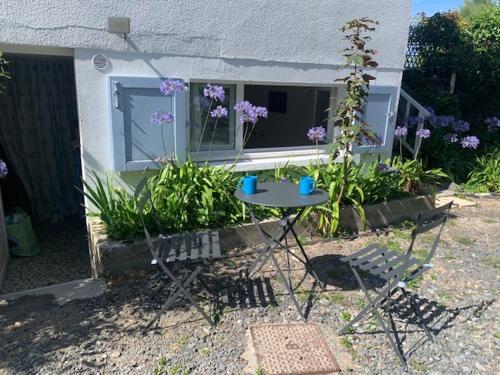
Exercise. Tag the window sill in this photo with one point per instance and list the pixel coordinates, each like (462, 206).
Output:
(256, 164)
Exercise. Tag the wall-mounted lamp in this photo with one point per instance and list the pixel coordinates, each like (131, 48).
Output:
(119, 25)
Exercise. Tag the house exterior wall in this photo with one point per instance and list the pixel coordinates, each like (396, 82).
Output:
(260, 41)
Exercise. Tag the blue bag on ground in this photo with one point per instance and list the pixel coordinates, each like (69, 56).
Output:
(20, 233)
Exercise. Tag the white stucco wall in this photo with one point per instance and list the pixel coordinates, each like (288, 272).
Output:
(285, 41)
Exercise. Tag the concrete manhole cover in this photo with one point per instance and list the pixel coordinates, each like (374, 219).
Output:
(297, 349)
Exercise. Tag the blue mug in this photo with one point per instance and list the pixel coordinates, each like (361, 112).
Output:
(248, 185)
(307, 185)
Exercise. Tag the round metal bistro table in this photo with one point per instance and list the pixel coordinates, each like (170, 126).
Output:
(286, 198)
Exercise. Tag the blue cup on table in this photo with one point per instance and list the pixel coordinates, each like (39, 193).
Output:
(248, 185)
(307, 185)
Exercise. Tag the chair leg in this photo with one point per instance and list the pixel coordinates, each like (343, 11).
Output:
(373, 306)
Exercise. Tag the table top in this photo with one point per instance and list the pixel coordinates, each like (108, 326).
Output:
(273, 194)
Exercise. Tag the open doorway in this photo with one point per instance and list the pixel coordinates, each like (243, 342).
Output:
(39, 141)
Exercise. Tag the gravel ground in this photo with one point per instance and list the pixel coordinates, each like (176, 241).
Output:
(103, 335)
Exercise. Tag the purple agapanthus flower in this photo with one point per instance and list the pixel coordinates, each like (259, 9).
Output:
(170, 86)
(3, 169)
(261, 111)
(461, 126)
(161, 118)
(219, 112)
(316, 134)
(423, 133)
(415, 120)
(451, 138)
(471, 141)
(400, 131)
(493, 123)
(249, 112)
(443, 121)
(214, 92)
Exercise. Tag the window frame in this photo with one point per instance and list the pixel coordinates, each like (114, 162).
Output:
(229, 155)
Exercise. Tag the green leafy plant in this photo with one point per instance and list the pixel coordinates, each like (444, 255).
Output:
(115, 207)
(349, 112)
(193, 196)
(485, 177)
(190, 197)
(413, 176)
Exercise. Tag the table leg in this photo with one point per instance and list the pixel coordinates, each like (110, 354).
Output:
(307, 262)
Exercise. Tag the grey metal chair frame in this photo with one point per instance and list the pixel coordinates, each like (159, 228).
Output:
(182, 251)
(393, 268)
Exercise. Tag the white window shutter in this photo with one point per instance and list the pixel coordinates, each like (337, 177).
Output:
(136, 141)
(380, 115)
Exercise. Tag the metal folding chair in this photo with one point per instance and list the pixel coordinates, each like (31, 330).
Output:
(187, 253)
(397, 270)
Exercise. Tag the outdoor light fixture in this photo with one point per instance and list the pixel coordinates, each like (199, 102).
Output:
(119, 25)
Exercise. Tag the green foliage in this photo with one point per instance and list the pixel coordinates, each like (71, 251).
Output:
(160, 366)
(345, 316)
(116, 208)
(192, 197)
(349, 112)
(485, 177)
(348, 116)
(472, 9)
(413, 176)
(445, 44)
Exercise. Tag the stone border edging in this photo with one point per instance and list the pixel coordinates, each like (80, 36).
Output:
(111, 258)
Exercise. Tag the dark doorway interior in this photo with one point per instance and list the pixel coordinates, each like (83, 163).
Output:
(40, 143)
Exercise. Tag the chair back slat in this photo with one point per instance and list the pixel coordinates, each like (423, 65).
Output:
(205, 245)
(428, 220)
(422, 228)
(194, 250)
(172, 255)
(215, 244)
(434, 212)
(183, 252)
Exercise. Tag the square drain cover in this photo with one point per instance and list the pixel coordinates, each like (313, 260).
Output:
(298, 349)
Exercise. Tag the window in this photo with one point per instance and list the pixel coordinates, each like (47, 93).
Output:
(217, 135)
(292, 111)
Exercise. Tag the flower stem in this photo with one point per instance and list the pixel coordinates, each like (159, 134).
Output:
(212, 139)
(205, 125)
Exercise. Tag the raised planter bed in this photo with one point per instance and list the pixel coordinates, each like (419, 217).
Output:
(110, 258)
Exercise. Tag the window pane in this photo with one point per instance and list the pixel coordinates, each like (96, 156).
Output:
(292, 111)
(219, 133)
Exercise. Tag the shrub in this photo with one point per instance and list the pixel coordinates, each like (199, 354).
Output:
(485, 177)
(115, 207)
(192, 196)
